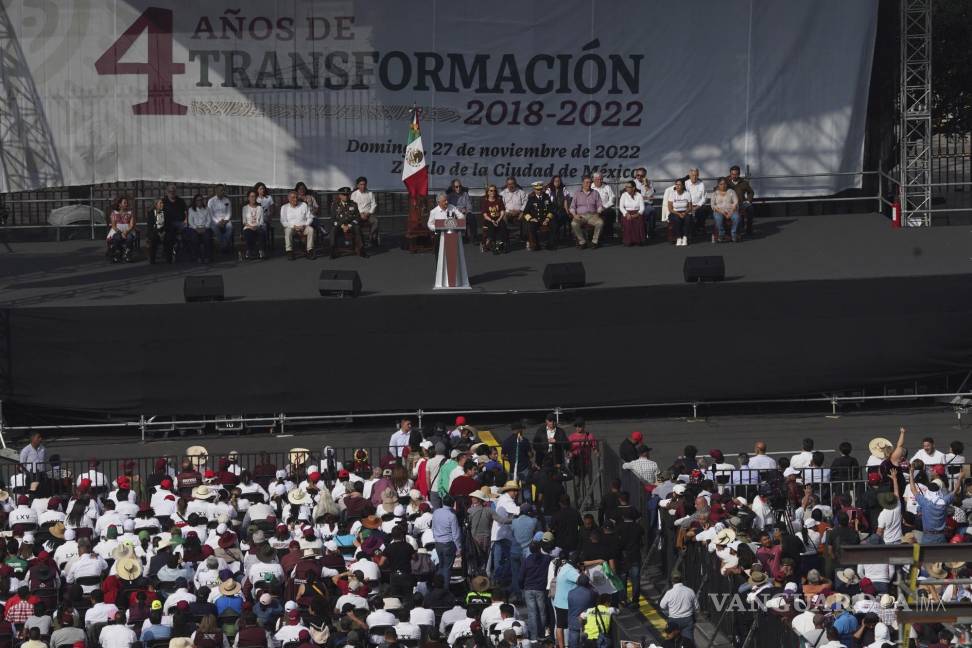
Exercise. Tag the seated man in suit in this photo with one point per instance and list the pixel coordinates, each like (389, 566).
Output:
(347, 223)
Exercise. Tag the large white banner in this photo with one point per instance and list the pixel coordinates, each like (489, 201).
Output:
(238, 91)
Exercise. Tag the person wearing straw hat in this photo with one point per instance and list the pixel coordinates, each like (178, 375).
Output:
(128, 568)
(848, 582)
(881, 450)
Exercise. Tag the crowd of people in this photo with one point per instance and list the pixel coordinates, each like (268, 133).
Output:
(776, 527)
(436, 540)
(544, 216)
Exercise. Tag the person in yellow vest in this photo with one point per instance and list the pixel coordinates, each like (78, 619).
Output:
(597, 623)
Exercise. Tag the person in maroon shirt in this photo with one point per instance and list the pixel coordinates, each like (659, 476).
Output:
(466, 482)
(251, 634)
(355, 504)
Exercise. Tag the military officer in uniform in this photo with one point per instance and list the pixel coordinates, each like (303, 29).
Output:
(347, 223)
(538, 212)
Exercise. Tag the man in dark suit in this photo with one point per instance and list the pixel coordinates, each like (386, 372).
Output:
(550, 438)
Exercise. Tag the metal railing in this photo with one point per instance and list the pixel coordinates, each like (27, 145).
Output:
(65, 474)
(147, 425)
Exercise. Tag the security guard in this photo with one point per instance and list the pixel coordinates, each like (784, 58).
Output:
(347, 223)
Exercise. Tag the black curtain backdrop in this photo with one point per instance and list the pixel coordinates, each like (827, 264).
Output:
(477, 351)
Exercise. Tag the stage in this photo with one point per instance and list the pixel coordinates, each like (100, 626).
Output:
(810, 304)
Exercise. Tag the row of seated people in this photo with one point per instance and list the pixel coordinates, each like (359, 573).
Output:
(206, 226)
(553, 212)
(550, 211)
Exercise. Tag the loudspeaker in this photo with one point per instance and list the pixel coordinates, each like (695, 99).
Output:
(339, 283)
(704, 268)
(199, 288)
(564, 275)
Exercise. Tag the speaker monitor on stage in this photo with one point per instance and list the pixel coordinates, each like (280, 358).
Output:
(339, 283)
(704, 268)
(201, 288)
(564, 275)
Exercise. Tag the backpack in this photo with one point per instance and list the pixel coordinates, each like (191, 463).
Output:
(421, 564)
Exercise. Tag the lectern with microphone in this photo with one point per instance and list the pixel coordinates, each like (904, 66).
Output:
(450, 268)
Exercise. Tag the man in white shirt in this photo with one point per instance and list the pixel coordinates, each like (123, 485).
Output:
(399, 440)
(461, 628)
(679, 605)
(23, 515)
(220, 211)
(514, 199)
(117, 634)
(99, 612)
(815, 473)
(382, 617)
(419, 615)
(266, 568)
(95, 476)
(181, 594)
(647, 191)
(802, 459)
(889, 519)
(696, 189)
(291, 631)
(609, 214)
(86, 564)
(442, 209)
(928, 454)
(67, 551)
(880, 575)
(368, 568)
(367, 208)
(760, 461)
(807, 625)
(297, 219)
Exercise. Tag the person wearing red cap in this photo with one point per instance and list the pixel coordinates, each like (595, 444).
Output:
(291, 631)
(96, 478)
(53, 512)
(719, 467)
(160, 471)
(456, 431)
(628, 450)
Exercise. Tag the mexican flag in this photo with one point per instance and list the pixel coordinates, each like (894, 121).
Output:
(415, 174)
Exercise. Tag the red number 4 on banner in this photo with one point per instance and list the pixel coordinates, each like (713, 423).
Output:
(159, 67)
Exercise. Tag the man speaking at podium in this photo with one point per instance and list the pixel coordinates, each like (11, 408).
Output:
(449, 224)
(442, 210)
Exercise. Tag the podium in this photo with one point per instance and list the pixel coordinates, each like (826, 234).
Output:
(450, 267)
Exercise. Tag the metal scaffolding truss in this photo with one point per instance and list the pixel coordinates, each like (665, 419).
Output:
(916, 129)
